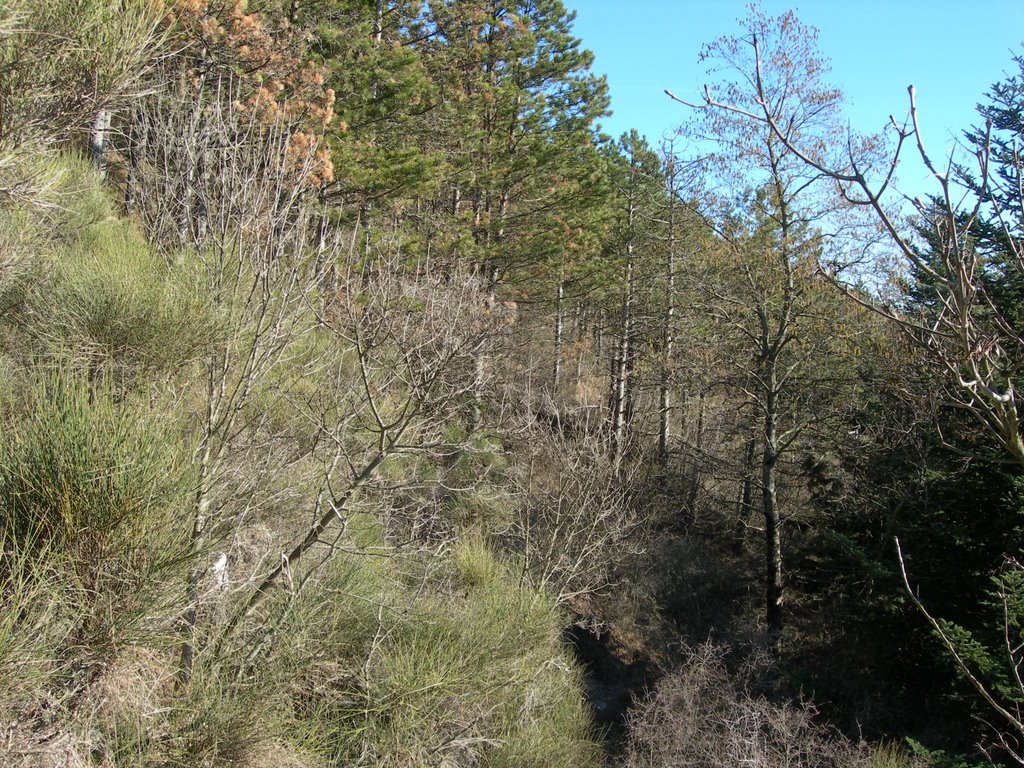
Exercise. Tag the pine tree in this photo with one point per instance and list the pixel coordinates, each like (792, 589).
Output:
(518, 103)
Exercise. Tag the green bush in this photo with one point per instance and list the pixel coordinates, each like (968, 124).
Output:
(90, 488)
(83, 284)
(49, 50)
(83, 466)
(469, 675)
(116, 307)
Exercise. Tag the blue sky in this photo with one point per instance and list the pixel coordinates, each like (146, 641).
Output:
(877, 48)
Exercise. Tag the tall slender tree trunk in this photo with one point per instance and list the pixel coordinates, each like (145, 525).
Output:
(668, 332)
(698, 451)
(136, 126)
(774, 587)
(746, 500)
(620, 393)
(195, 575)
(579, 328)
(775, 334)
(559, 335)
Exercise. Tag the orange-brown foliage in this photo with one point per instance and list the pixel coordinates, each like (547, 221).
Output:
(280, 83)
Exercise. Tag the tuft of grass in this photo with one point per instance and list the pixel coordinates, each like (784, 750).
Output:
(92, 544)
(36, 625)
(890, 754)
(475, 565)
(474, 675)
(212, 721)
(83, 284)
(116, 306)
(84, 466)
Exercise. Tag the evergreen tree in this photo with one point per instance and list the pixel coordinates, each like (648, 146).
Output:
(636, 175)
(517, 106)
(384, 99)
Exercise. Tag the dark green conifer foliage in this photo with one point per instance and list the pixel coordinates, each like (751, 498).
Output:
(518, 103)
(383, 94)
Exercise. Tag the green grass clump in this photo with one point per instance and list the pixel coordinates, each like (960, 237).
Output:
(889, 754)
(37, 623)
(90, 487)
(80, 283)
(472, 675)
(84, 468)
(116, 306)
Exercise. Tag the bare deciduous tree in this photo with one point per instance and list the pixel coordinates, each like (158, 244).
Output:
(969, 334)
(770, 297)
(403, 388)
(225, 194)
(576, 521)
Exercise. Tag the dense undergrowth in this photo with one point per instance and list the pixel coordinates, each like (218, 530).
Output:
(382, 655)
(362, 404)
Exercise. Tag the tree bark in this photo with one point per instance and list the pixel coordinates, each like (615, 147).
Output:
(668, 331)
(774, 586)
(98, 140)
(559, 334)
(619, 400)
(620, 370)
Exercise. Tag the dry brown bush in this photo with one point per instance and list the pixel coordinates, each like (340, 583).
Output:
(702, 717)
(577, 520)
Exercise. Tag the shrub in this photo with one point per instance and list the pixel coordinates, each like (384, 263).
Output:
(88, 489)
(83, 467)
(114, 306)
(473, 675)
(700, 716)
(90, 486)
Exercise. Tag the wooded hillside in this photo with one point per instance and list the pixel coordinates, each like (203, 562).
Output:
(362, 404)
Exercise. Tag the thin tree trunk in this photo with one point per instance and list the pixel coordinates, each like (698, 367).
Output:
(668, 332)
(98, 140)
(774, 587)
(774, 340)
(202, 511)
(620, 371)
(559, 331)
(136, 126)
(621, 363)
(200, 519)
(579, 328)
(698, 445)
(192, 224)
(745, 500)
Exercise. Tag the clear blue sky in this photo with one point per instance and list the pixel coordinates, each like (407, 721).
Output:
(951, 50)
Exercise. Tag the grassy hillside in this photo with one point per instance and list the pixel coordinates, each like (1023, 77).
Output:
(379, 654)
